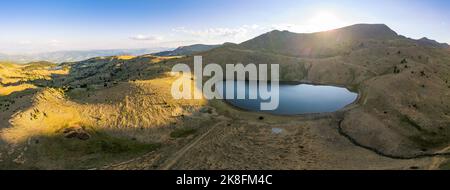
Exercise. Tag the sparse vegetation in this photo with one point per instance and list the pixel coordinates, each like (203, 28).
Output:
(404, 61)
(396, 70)
(182, 132)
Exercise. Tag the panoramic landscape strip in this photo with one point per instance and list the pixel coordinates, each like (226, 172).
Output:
(259, 86)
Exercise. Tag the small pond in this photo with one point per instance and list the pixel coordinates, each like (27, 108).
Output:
(294, 99)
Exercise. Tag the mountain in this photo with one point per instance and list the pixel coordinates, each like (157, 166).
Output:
(73, 56)
(432, 43)
(187, 50)
(318, 44)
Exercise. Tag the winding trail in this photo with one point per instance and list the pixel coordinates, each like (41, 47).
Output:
(168, 164)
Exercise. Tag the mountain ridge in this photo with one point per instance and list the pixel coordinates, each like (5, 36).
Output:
(432, 43)
(187, 50)
(319, 43)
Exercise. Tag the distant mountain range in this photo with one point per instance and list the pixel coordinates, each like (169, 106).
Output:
(187, 50)
(73, 56)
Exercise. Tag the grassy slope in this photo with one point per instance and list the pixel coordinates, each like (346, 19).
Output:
(124, 119)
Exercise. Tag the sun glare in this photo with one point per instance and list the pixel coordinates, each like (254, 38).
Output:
(325, 20)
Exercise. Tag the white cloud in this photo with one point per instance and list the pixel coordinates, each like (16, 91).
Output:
(141, 37)
(285, 26)
(25, 42)
(217, 32)
(220, 34)
(55, 42)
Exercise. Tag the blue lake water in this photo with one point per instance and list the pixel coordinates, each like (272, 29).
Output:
(294, 99)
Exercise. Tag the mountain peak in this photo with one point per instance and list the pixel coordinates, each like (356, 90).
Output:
(365, 25)
(366, 31)
(432, 43)
(319, 43)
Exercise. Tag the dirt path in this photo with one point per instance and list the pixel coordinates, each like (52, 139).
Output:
(437, 161)
(174, 159)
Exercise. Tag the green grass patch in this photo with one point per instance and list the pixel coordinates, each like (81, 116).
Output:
(182, 132)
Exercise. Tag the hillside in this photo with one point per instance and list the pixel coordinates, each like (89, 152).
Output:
(88, 114)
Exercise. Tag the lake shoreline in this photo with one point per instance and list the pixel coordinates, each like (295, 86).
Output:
(316, 111)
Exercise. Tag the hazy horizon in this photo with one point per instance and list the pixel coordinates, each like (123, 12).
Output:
(50, 25)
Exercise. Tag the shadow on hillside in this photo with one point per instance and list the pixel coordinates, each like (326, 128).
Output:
(59, 150)
(105, 145)
(13, 103)
(87, 147)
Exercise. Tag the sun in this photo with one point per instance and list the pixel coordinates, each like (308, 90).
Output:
(325, 20)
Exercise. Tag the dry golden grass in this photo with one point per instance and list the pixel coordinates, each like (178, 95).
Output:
(16, 78)
(7, 90)
(140, 104)
(125, 57)
(13, 73)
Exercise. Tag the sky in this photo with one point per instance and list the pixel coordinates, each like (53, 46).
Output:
(30, 26)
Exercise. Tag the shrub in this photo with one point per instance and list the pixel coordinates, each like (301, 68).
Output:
(404, 61)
